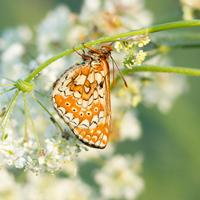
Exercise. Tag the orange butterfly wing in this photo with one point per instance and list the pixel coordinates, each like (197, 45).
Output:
(82, 98)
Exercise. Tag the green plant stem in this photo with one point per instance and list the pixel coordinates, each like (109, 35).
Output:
(151, 29)
(8, 90)
(7, 78)
(34, 129)
(168, 69)
(6, 85)
(25, 115)
(47, 112)
(8, 112)
(42, 94)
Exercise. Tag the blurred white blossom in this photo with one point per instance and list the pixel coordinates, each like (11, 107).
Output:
(118, 179)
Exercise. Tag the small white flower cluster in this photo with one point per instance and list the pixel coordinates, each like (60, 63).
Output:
(118, 179)
(144, 42)
(131, 59)
(118, 46)
(42, 187)
(53, 154)
(140, 57)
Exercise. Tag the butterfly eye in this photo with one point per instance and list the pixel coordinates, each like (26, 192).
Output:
(81, 114)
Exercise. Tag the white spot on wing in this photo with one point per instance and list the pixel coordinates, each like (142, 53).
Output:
(77, 95)
(79, 102)
(98, 143)
(98, 77)
(105, 138)
(53, 99)
(63, 85)
(67, 92)
(93, 125)
(80, 80)
(85, 140)
(61, 110)
(91, 142)
(76, 132)
(101, 113)
(87, 89)
(75, 121)
(91, 78)
(85, 103)
(95, 119)
(69, 116)
(85, 123)
(102, 145)
(80, 136)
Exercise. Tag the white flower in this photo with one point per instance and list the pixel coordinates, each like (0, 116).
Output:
(19, 151)
(14, 51)
(145, 41)
(41, 160)
(118, 46)
(140, 57)
(118, 179)
(20, 162)
(130, 127)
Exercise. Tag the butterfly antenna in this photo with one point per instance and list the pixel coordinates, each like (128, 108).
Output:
(125, 83)
(114, 83)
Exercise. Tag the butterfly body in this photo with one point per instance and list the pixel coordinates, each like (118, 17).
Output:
(81, 96)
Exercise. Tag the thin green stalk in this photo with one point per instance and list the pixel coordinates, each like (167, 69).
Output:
(41, 94)
(8, 112)
(169, 69)
(8, 90)
(6, 85)
(25, 115)
(151, 29)
(7, 78)
(34, 129)
(47, 112)
(5, 114)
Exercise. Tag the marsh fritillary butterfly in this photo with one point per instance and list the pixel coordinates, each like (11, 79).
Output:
(81, 96)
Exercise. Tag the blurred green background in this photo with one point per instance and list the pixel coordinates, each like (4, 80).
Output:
(170, 142)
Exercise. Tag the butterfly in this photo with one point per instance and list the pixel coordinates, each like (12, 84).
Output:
(81, 96)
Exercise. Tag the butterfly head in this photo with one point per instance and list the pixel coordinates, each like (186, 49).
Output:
(106, 49)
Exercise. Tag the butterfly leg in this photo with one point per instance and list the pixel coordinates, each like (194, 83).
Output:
(85, 57)
(92, 49)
